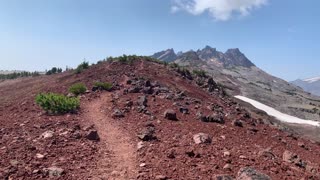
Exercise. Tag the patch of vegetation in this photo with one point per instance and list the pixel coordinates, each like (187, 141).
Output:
(54, 70)
(254, 84)
(78, 88)
(16, 75)
(185, 72)
(291, 93)
(200, 73)
(57, 103)
(81, 67)
(174, 65)
(103, 86)
(123, 59)
(264, 83)
(129, 59)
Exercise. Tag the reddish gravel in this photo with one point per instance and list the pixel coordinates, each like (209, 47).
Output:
(172, 154)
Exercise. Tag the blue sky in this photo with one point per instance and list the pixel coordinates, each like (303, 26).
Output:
(280, 36)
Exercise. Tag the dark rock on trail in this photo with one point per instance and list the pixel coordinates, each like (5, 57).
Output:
(117, 113)
(170, 114)
(93, 135)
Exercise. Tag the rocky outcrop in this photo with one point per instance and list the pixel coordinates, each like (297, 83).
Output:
(249, 173)
(168, 55)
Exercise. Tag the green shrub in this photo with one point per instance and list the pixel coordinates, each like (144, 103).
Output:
(103, 86)
(174, 65)
(84, 65)
(78, 88)
(57, 103)
(200, 73)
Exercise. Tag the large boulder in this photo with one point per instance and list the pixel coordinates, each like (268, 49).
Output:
(202, 138)
(170, 114)
(249, 173)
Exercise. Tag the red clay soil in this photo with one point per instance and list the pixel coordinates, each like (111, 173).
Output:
(25, 154)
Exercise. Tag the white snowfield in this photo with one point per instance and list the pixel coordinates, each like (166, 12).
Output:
(277, 114)
(311, 80)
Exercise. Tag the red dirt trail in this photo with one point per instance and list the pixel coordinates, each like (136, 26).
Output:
(119, 158)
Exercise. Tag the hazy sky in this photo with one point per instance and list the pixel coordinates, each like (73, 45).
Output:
(280, 36)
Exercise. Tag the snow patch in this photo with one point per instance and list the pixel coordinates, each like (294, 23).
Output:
(311, 80)
(277, 114)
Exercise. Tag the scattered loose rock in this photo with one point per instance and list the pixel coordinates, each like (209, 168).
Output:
(184, 110)
(161, 177)
(93, 135)
(202, 138)
(237, 123)
(47, 134)
(54, 171)
(227, 166)
(117, 113)
(140, 145)
(226, 153)
(170, 114)
(39, 156)
(147, 134)
(249, 173)
(223, 177)
(142, 101)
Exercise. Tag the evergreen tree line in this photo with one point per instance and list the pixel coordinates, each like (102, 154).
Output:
(54, 70)
(19, 74)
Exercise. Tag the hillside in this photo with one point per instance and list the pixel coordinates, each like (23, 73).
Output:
(240, 76)
(311, 85)
(157, 122)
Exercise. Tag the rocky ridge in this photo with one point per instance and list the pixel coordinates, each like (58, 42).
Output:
(182, 127)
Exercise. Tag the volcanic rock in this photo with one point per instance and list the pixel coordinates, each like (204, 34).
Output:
(202, 138)
(170, 114)
(249, 173)
(93, 135)
(117, 113)
(54, 171)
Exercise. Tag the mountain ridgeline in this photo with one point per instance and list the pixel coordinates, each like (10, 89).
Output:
(311, 85)
(239, 75)
(232, 57)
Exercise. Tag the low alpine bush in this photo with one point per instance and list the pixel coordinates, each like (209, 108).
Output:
(84, 65)
(103, 86)
(57, 103)
(78, 88)
(200, 73)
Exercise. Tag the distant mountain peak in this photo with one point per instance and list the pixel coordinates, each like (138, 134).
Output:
(232, 57)
(167, 55)
(233, 50)
(235, 57)
(311, 85)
